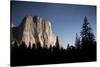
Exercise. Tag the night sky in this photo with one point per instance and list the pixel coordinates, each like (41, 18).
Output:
(66, 19)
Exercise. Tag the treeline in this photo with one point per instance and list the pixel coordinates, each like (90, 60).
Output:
(83, 51)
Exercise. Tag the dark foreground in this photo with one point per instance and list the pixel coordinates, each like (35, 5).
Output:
(22, 56)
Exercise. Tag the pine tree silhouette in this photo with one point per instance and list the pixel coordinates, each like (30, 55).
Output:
(57, 43)
(88, 43)
(87, 37)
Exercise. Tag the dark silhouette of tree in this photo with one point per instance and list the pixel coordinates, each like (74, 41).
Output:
(23, 45)
(29, 45)
(39, 46)
(34, 46)
(87, 36)
(68, 46)
(77, 41)
(51, 48)
(57, 43)
(88, 43)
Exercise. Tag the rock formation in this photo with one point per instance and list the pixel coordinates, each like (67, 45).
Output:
(34, 30)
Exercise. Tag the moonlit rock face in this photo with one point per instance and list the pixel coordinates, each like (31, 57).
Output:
(34, 30)
(27, 34)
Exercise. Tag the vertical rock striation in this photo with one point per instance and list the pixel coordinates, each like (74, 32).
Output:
(34, 30)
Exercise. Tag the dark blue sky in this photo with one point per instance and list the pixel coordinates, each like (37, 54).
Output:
(66, 19)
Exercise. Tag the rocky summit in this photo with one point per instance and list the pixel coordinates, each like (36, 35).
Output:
(34, 30)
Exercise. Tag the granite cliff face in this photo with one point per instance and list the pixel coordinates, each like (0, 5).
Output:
(34, 30)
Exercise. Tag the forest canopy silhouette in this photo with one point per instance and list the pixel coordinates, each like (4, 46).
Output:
(83, 51)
